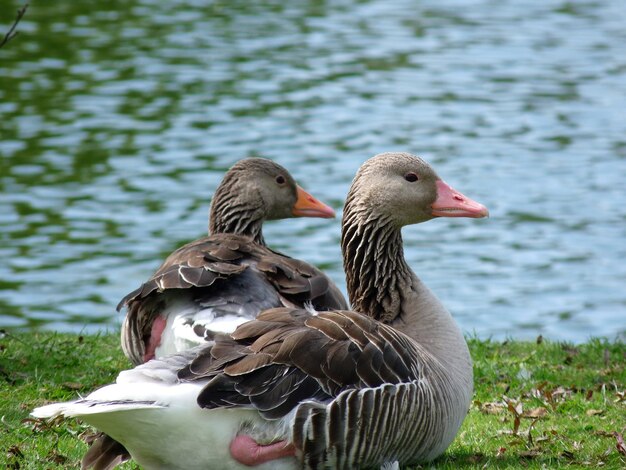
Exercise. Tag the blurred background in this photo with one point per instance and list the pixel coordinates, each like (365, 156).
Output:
(119, 118)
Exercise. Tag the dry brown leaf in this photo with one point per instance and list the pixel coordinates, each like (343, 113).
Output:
(492, 408)
(539, 412)
(514, 407)
(15, 451)
(530, 454)
(620, 446)
(516, 424)
(54, 457)
(594, 412)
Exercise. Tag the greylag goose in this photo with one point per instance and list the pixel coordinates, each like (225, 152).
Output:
(217, 282)
(297, 388)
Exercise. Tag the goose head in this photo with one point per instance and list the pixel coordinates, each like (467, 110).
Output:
(402, 189)
(255, 190)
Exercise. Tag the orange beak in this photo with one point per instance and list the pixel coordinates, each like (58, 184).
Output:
(307, 206)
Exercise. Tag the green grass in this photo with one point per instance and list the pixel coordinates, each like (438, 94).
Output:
(547, 405)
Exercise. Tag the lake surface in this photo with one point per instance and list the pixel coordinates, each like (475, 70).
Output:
(118, 119)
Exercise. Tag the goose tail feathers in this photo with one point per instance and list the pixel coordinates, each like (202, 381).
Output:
(78, 408)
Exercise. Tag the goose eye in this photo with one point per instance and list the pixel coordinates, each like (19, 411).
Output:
(280, 179)
(411, 177)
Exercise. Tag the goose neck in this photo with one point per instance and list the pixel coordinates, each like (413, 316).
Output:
(376, 272)
(229, 216)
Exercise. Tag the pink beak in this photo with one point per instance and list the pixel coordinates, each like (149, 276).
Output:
(451, 203)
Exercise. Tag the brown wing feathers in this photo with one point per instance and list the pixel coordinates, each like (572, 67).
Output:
(288, 355)
(200, 263)
(215, 258)
(197, 264)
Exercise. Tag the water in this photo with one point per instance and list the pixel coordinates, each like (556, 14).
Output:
(118, 119)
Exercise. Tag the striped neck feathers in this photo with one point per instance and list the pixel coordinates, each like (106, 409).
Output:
(229, 214)
(378, 278)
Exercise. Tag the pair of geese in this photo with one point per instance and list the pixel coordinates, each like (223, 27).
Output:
(300, 381)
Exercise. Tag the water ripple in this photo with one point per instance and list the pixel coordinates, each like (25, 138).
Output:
(117, 122)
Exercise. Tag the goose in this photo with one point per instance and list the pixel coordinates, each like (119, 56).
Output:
(217, 282)
(387, 384)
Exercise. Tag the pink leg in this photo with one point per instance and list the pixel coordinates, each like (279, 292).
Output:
(155, 337)
(247, 451)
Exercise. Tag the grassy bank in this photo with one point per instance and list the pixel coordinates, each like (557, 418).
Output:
(536, 405)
